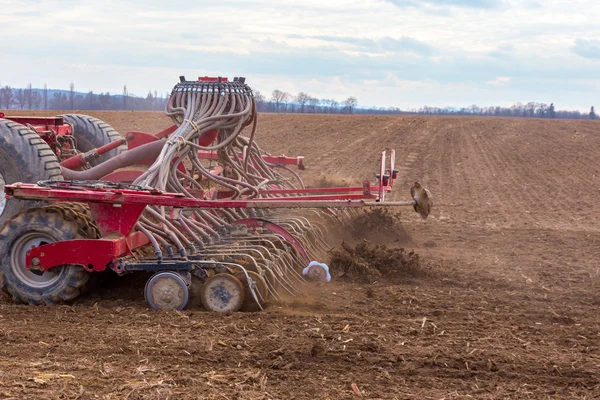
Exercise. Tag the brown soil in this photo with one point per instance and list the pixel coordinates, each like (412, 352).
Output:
(509, 307)
(364, 263)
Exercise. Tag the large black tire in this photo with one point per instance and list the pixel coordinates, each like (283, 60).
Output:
(35, 227)
(91, 133)
(24, 157)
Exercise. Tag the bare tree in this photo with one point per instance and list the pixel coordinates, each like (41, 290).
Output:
(260, 100)
(36, 99)
(313, 102)
(125, 95)
(150, 100)
(302, 99)
(279, 98)
(72, 96)
(28, 92)
(45, 96)
(351, 103)
(286, 99)
(333, 106)
(20, 97)
(59, 101)
(552, 111)
(6, 96)
(105, 101)
(90, 99)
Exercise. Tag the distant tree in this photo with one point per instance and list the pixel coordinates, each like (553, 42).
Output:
(6, 97)
(79, 102)
(279, 98)
(542, 110)
(313, 102)
(302, 99)
(45, 96)
(150, 100)
(551, 111)
(592, 113)
(28, 95)
(90, 98)
(72, 96)
(36, 99)
(20, 97)
(125, 95)
(350, 104)
(260, 100)
(333, 106)
(59, 101)
(105, 101)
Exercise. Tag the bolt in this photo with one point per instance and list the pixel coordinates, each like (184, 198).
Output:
(35, 262)
(130, 136)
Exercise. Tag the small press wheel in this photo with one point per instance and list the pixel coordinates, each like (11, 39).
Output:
(260, 288)
(222, 293)
(166, 291)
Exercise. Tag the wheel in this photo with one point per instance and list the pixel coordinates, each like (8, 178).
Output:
(222, 293)
(32, 228)
(24, 157)
(260, 287)
(166, 291)
(91, 133)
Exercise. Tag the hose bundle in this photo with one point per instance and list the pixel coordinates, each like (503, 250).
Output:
(210, 117)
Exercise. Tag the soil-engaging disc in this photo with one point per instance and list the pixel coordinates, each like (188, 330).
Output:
(167, 291)
(222, 293)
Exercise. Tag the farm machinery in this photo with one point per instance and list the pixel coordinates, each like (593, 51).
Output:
(196, 202)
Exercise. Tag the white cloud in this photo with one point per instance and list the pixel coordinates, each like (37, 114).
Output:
(403, 53)
(500, 80)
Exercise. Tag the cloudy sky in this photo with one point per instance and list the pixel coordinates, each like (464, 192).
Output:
(402, 53)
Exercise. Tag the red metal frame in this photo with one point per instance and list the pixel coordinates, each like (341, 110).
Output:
(47, 127)
(116, 211)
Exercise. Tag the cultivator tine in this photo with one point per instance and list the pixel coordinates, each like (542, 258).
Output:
(309, 234)
(277, 267)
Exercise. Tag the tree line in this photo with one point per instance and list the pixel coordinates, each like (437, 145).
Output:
(528, 110)
(303, 103)
(55, 99)
(279, 101)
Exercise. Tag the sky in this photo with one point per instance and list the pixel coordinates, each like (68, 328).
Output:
(386, 53)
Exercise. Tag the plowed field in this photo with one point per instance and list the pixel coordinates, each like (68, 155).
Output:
(508, 305)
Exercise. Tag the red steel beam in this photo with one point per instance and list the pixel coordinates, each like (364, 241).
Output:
(53, 121)
(125, 196)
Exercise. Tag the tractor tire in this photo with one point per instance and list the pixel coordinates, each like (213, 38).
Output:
(24, 157)
(91, 133)
(33, 228)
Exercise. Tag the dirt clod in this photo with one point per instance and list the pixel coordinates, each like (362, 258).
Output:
(366, 263)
